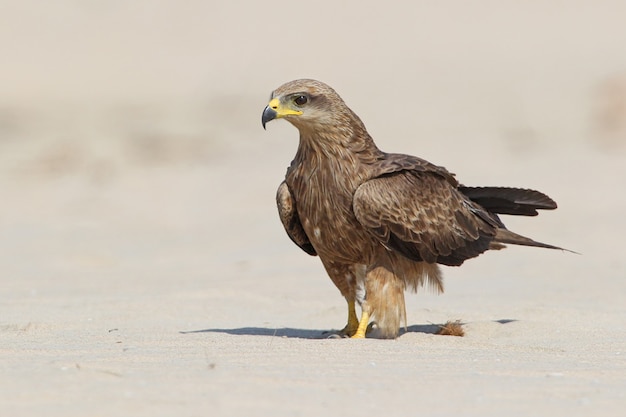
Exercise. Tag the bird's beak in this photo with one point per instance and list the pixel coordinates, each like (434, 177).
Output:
(275, 110)
(269, 114)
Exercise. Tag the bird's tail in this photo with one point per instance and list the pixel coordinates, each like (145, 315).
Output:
(505, 236)
(515, 201)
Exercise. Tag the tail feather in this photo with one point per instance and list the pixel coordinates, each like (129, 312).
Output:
(516, 201)
(505, 236)
(506, 200)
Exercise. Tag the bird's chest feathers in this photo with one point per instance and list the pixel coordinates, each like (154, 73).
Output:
(323, 190)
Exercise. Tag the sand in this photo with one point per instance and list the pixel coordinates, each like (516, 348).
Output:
(144, 270)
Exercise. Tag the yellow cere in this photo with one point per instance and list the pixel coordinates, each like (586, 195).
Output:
(281, 110)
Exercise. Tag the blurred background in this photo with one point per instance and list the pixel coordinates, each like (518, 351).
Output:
(131, 146)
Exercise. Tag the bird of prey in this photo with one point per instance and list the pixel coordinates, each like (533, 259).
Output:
(381, 222)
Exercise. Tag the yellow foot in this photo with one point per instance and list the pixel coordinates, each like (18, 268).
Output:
(353, 323)
(349, 330)
(360, 331)
(352, 326)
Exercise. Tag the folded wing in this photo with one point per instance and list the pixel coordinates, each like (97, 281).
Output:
(422, 215)
(289, 217)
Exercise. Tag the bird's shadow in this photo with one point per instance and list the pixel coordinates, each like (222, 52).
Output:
(293, 333)
(289, 332)
(266, 331)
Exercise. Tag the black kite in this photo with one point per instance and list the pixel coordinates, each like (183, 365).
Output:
(381, 222)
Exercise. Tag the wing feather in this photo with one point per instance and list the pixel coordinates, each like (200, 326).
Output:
(507, 200)
(289, 217)
(420, 214)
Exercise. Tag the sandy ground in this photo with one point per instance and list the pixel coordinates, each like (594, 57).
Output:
(143, 267)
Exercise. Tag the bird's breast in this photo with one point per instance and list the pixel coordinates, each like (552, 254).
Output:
(324, 202)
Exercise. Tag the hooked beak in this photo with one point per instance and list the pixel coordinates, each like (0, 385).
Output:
(275, 110)
(269, 114)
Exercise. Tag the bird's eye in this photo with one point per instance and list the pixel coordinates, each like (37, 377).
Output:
(301, 100)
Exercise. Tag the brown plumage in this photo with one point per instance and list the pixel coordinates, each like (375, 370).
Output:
(380, 222)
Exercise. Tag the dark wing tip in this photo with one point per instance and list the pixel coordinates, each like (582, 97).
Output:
(506, 200)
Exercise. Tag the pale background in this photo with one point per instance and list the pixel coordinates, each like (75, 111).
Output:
(143, 268)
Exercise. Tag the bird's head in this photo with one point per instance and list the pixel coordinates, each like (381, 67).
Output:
(306, 104)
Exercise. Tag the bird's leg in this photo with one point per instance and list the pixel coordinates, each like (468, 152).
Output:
(366, 313)
(353, 321)
(360, 331)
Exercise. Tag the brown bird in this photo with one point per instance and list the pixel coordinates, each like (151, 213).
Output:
(381, 222)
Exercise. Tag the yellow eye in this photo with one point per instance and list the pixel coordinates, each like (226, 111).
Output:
(301, 100)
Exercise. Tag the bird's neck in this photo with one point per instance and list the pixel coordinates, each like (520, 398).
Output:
(348, 140)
